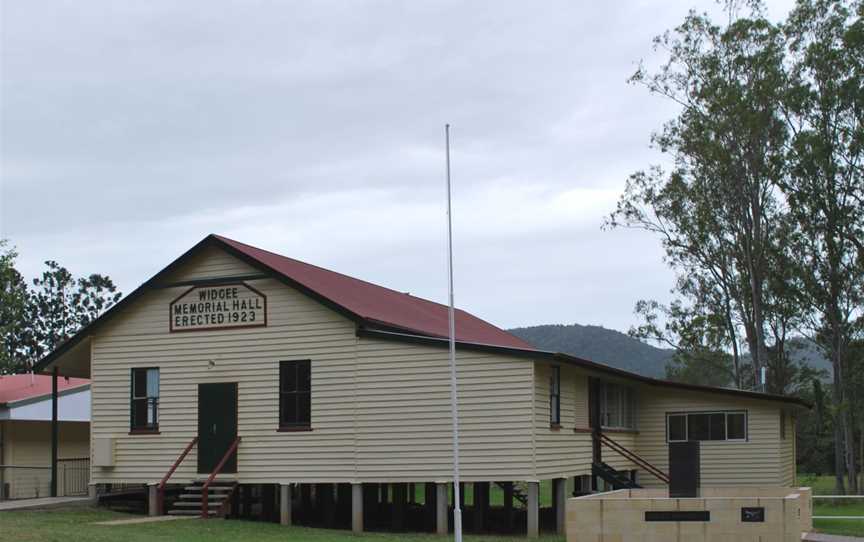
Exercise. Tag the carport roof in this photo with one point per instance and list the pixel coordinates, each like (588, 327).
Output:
(27, 386)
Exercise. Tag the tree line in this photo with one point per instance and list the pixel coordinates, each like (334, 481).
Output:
(38, 317)
(760, 208)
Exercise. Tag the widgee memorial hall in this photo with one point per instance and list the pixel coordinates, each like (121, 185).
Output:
(310, 397)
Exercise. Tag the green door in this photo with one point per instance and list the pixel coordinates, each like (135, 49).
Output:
(217, 426)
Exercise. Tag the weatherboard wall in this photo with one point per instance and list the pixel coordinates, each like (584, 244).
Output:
(561, 452)
(754, 462)
(380, 409)
(566, 450)
(403, 416)
(298, 328)
(787, 452)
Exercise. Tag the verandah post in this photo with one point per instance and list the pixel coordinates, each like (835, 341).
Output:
(54, 432)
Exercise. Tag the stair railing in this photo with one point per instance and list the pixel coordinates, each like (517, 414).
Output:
(205, 504)
(619, 480)
(659, 474)
(517, 492)
(161, 488)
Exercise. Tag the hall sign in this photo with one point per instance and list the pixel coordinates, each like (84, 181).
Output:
(218, 307)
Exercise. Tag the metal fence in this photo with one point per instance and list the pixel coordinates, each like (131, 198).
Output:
(24, 481)
(73, 476)
(34, 481)
(840, 498)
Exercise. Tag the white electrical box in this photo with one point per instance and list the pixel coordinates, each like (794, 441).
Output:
(103, 452)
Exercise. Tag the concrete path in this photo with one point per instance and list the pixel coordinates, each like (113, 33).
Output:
(134, 521)
(816, 537)
(45, 502)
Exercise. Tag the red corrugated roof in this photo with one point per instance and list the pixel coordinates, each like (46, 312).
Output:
(18, 387)
(378, 304)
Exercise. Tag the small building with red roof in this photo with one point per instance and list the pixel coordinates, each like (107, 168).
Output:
(25, 435)
(243, 383)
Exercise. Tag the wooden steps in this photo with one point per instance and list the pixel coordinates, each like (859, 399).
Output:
(190, 502)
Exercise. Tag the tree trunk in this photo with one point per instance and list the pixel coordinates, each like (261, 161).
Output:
(849, 441)
(861, 457)
(839, 471)
(760, 357)
(839, 418)
(733, 338)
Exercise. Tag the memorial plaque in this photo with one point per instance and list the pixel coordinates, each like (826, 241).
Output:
(753, 514)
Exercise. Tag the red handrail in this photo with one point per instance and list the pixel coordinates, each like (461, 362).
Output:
(662, 476)
(161, 488)
(205, 505)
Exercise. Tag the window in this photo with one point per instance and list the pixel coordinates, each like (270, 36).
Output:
(782, 425)
(706, 426)
(617, 406)
(555, 397)
(736, 426)
(295, 394)
(145, 400)
(677, 428)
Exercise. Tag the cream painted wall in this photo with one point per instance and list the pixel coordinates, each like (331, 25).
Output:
(764, 460)
(756, 462)
(380, 410)
(561, 452)
(28, 444)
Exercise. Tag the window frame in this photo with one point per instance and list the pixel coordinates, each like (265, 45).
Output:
(147, 429)
(284, 426)
(627, 406)
(555, 394)
(726, 414)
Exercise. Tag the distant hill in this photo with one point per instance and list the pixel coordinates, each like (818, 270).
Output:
(616, 349)
(596, 343)
(805, 351)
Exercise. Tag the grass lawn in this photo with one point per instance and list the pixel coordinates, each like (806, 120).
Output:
(76, 524)
(824, 485)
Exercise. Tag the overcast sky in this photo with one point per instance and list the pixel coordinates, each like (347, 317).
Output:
(130, 130)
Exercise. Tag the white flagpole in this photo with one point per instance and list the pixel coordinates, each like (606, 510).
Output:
(454, 396)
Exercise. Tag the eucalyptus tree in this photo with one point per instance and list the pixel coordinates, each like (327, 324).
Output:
(825, 187)
(716, 209)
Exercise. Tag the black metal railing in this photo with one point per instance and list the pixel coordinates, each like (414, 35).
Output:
(638, 460)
